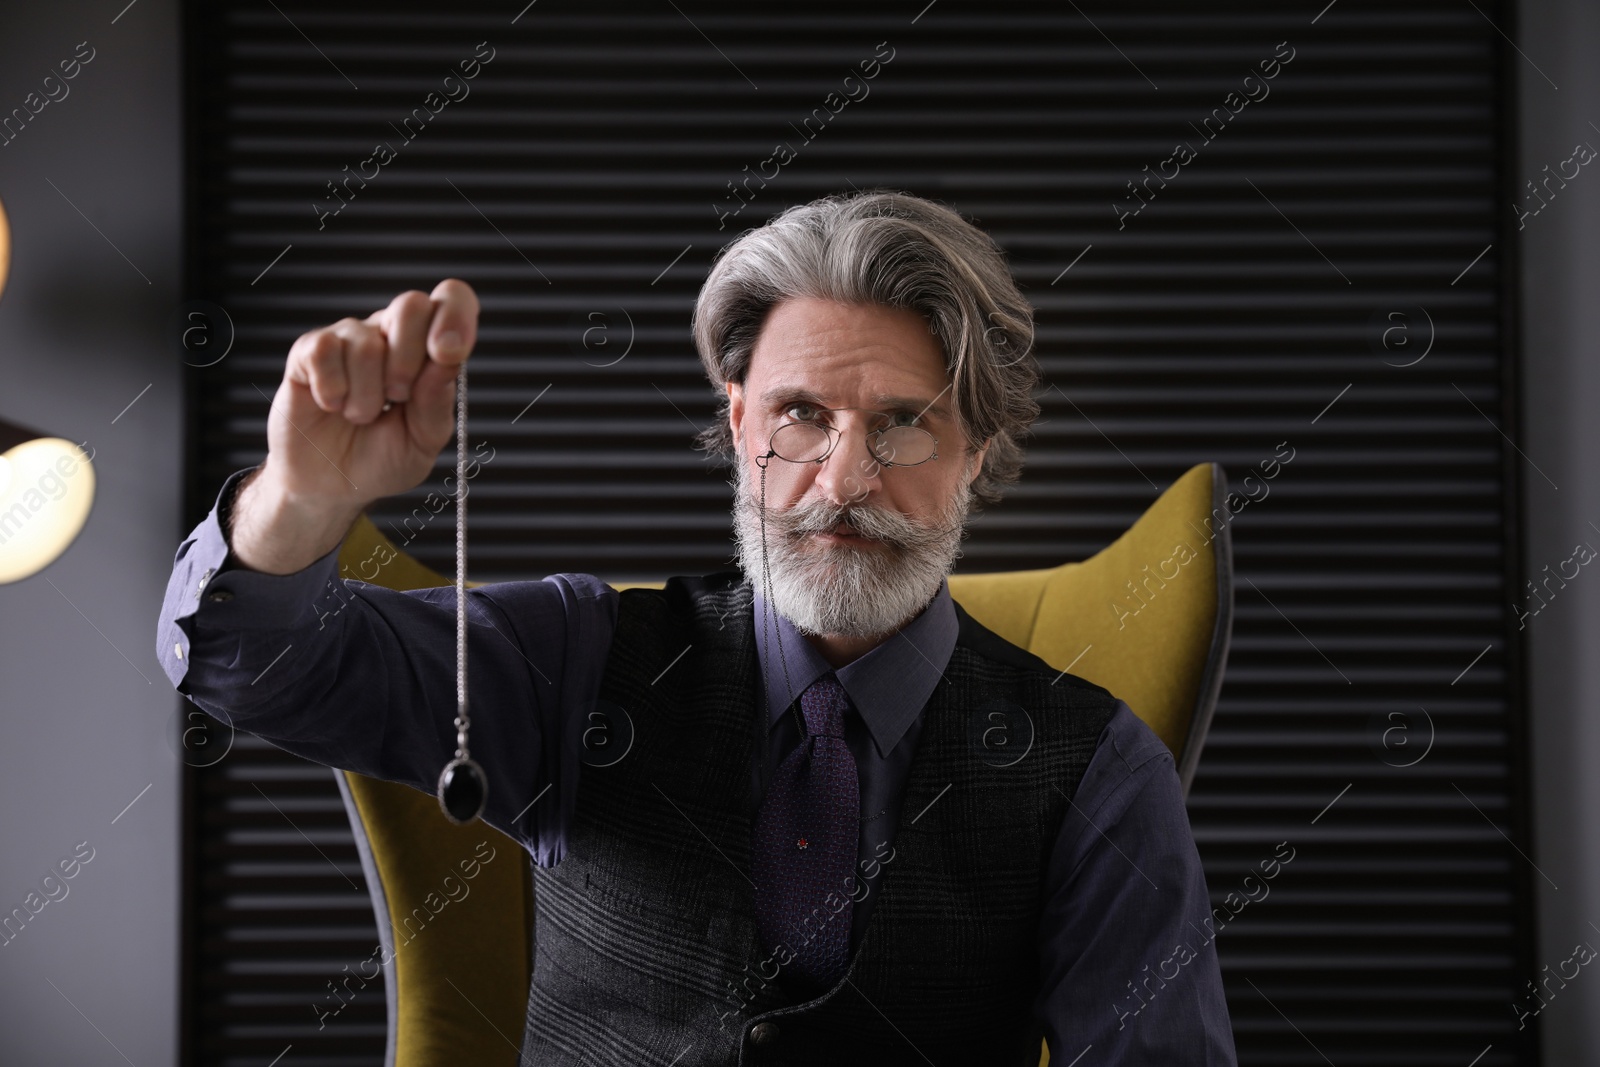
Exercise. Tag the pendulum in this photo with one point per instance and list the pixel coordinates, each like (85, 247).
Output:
(463, 789)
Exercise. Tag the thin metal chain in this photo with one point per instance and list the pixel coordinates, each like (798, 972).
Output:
(461, 563)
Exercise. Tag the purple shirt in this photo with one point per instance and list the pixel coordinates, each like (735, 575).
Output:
(362, 678)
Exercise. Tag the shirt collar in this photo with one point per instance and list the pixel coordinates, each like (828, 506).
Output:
(887, 685)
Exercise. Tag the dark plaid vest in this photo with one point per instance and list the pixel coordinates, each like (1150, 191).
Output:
(646, 949)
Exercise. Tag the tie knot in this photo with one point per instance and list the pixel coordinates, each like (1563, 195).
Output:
(824, 703)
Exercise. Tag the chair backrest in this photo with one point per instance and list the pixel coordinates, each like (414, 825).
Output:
(454, 910)
(1148, 617)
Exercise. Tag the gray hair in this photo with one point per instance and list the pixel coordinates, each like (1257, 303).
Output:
(899, 251)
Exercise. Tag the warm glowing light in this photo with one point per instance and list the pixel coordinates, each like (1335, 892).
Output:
(46, 490)
(5, 247)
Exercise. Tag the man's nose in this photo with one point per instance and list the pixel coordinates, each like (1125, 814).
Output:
(851, 472)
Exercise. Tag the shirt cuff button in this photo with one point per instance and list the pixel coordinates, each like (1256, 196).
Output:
(177, 649)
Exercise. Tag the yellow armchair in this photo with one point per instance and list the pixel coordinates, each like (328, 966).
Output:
(1148, 617)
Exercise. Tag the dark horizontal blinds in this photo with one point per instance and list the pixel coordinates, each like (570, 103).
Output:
(1315, 298)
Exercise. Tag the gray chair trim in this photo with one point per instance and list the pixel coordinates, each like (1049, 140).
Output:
(1221, 634)
(380, 909)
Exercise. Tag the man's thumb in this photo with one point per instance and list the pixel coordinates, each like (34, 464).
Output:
(430, 413)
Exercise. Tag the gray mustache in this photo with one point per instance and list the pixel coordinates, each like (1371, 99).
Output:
(881, 524)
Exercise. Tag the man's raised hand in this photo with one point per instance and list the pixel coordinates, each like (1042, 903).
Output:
(328, 435)
(332, 448)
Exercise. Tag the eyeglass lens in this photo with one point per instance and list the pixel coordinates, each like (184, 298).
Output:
(900, 446)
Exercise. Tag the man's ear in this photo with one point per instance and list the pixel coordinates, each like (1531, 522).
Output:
(735, 411)
(977, 461)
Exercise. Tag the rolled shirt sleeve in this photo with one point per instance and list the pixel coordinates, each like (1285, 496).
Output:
(363, 678)
(1128, 964)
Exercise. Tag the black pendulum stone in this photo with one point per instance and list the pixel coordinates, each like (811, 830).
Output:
(463, 789)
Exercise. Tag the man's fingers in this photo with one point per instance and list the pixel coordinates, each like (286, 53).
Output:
(454, 329)
(365, 353)
(316, 360)
(430, 414)
(405, 323)
(354, 367)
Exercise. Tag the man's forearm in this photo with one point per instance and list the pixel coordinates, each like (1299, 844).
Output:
(271, 531)
(357, 676)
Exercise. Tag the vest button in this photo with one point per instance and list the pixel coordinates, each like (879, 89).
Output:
(764, 1033)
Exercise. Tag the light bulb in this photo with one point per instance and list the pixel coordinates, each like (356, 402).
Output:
(46, 490)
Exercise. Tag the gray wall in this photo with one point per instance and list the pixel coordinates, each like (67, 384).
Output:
(1561, 411)
(94, 974)
(81, 334)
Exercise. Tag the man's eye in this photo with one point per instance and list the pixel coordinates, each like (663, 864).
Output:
(809, 412)
(903, 418)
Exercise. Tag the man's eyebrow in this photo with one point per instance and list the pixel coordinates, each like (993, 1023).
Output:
(920, 405)
(792, 393)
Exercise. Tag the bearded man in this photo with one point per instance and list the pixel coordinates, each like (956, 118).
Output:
(803, 856)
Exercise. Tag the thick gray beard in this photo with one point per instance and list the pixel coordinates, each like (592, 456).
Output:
(843, 590)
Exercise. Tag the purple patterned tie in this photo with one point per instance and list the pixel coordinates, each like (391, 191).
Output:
(805, 843)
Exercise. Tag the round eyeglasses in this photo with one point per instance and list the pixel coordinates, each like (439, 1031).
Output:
(813, 442)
